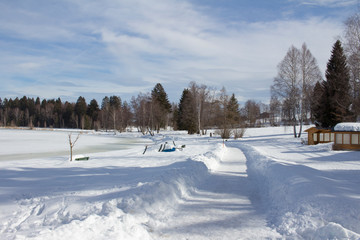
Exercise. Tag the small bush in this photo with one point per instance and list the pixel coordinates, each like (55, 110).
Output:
(224, 133)
(239, 133)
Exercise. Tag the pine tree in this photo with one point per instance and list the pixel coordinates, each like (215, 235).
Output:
(316, 104)
(187, 113)
(159, 95)
(80, 110)
(336, 99)
(93, 112)
(161, 107)
(233, 113)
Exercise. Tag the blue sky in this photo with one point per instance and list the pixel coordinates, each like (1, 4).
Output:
(72, 48)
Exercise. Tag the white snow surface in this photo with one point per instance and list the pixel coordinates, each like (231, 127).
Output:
(348, 127)
(266, 185)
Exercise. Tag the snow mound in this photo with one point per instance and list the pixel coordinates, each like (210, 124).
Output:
(334, 231)
(347, 127)
(302, 201)
(130, 210)
(322, 147)
(213, 158)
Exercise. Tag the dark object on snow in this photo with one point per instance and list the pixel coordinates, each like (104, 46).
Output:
(81, 158)
(146, 147)
(169, 150)
(167, 147)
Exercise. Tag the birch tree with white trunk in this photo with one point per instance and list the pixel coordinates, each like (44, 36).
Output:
(297, 74)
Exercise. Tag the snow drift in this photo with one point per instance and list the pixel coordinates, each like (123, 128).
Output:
(115, 195)
(303, 201)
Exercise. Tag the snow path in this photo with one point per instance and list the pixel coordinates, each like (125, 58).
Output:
(220, 208)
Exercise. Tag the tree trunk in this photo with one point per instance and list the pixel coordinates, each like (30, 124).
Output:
(294, 123)
(72, 144)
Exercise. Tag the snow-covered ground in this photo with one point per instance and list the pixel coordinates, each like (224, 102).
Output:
(264, 186)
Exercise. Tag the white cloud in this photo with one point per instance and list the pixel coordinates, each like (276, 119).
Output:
(127, 46)
(29, 65)
(330, 3)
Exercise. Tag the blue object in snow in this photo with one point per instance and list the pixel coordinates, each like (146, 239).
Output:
(169, 150)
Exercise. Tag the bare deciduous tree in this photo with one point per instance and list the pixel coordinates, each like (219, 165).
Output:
(310, 74)
(352, 49)
(223, 102)
(251, 111)
(287, 83)
(200, 96)
(297, 74)
(115, 110)
(72, 144)
(275, 111)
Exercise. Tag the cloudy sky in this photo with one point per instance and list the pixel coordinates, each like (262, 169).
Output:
(90, 48)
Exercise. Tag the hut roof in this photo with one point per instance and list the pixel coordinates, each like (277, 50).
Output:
(347, 127)
(316, 129)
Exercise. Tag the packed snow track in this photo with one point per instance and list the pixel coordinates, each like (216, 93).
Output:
(220, 207)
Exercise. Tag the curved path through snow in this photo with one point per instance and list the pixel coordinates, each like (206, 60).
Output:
(220, 208)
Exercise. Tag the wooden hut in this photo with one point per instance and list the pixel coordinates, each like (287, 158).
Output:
(319, 135)
(347, 136)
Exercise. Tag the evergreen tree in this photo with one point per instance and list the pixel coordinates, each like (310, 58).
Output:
(80, 110)
(37, 118)
(159, 95)
(58, 113)
(233, 113)
(105, 108)
(68, 115)
(336, 99)
(316, 102)
(115, 110)
(187, 113)
(161, 107)
(93, 112)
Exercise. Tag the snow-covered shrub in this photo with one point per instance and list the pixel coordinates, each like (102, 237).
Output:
(239, 133)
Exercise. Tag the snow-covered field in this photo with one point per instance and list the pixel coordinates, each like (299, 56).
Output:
(265, 186)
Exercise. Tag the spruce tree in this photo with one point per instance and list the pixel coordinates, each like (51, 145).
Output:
(161, 107)
(233, 113)
(316, 102)
(186, 116)
(93, 111)
(159, 95)
(80, 110)
(336, 99)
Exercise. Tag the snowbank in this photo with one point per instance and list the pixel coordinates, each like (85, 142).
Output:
(348, 127)
(119, 194)
(302, 201)
(213, 158)
(126, 211)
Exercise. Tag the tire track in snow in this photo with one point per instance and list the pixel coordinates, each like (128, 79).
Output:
(219, 208)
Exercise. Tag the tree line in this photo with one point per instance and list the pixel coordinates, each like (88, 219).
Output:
(199, 109)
